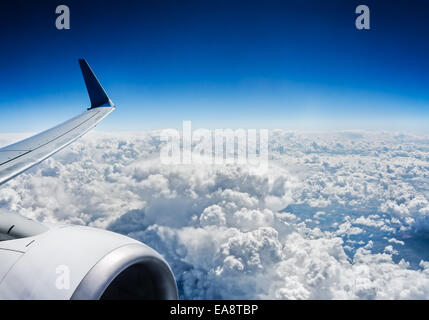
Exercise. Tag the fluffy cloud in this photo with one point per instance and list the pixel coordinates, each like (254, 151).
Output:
(336, 215)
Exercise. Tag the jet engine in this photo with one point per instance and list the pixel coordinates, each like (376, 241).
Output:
(78, 263)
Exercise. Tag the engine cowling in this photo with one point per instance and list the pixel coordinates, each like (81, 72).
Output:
(75, 262)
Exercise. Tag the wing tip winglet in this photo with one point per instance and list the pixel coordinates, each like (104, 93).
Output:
(97, 95)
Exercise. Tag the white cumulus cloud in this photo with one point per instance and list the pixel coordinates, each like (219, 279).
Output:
(336, 216)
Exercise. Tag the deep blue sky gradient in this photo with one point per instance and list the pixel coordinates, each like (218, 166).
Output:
(255, 64)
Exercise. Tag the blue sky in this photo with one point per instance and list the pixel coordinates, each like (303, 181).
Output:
(252, 64)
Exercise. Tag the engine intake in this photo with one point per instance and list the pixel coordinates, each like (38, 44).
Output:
(129, 272)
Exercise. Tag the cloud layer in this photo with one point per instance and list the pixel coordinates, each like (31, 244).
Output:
(341, 215)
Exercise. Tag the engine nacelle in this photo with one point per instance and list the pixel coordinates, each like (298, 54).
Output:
(75, 262)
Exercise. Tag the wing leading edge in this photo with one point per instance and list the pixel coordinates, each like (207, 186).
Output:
(20, 156)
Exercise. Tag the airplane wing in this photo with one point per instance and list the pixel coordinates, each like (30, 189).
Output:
(20, 156)
(104, 265)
